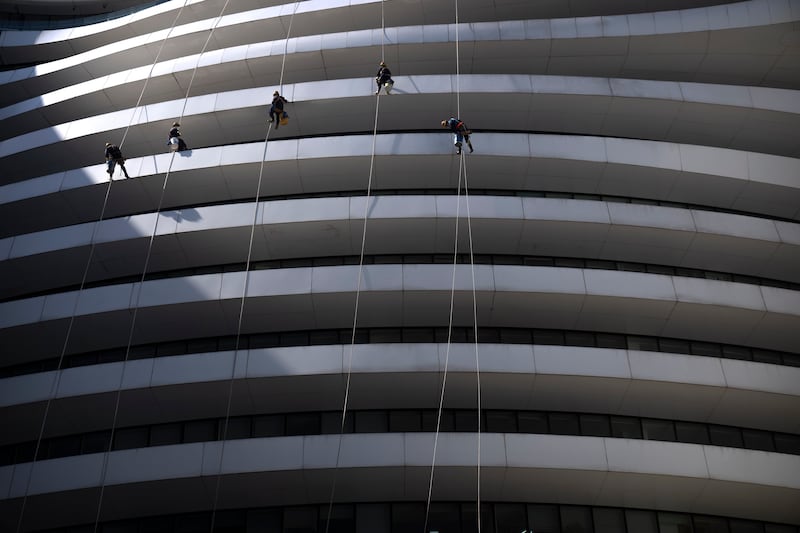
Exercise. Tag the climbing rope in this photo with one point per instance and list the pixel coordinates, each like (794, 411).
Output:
(104, 469)
(231, 381)
(462, 171)
(358, 289)
(92, 245)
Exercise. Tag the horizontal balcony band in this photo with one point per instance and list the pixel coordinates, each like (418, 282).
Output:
(626, 42)
(643, 474)
(396, 376)
(404, 296)
(746, 182)
(586, 106)
(220, 234)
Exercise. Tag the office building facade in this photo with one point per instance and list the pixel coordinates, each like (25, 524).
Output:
(588, 324)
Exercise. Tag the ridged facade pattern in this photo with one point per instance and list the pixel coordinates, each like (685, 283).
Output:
(590, 324)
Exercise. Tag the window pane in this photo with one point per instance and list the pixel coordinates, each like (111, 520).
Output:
(674, 523)
(766, 356)
(576, 519)
(648, 344)
(609, 520)
(516, 336)
(546, 336)
(564, 424)
(544, 519)
(609, 340)
(466, 420)
(726, 436)
(302, 424)
(268, 426)
(127, 438)
(165, 434)
(405, 421)
(192, 522)
(690, 432)
(709, 524)
(446, 424)
(501, 422)
(264, 520)
(595, 425)
(673, 346)
(95, 442)
(408, 517)
(777, 528)
(706, 348)
(342, 518)
(372, 422)
(532, 422)
(65, 446)
(758, 440)
(444, 518)
(641, 521)
(238, 428)
(300, 519)
(658, 430)
(469, 518)
(331, 423)
(373, 518)
(200, 431)
(625, 427)
(578, 338)
(736, 352)
(785, 443)
(746, 526)
(510, 517)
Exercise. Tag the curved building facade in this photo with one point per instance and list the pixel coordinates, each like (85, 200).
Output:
(590, 324)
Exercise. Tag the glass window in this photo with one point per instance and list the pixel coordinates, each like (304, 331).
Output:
(445, 518)
(408, 517)
(691, 432)
(658, 429)
(233, 521)
(324, 337)
(264, 340)
(609, 340)
(238, 428)
(758, 440)
(268, 426)
(785, 443)
(200, 431)
(264, 520)
(564, 424)
(300, 520)
(331, 423)
(595, 425)
(123, 526)
(7, 454)
(674, 523)
(609, 520)
(510, 517)
(745, 526)
(373, 518)
(578, 338)
(488, 335)
(190, 523)
(516, 336)
(778, 528)
(673, 346)
(159, 524)
(626, 427)
(128, 438)
(294, 338)
(171, 348)
(372, 422)
(405, 421)
(576, 519)
(418, 335)
(791, 359)
(726, 436)
(766, 356)
(544, 519)
(706, 348)
(533, 422)
(547, 336)
(64, 446)
(466, 420)
(201, 346)
(302, 424)
(710, 524)
(96, 442)
(501, 421)
(641, 521)
(342, 519)
(446, 424)
(469, 518)
(737, 352)
(386, 335)
(648, 344)
(164, 434)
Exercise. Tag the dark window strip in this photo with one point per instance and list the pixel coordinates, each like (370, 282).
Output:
(404, 420)
(444, 517)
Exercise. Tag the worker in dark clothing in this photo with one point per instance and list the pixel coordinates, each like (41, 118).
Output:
(460, 133)
(113, 158)
(175, 141)
(276, 112)
(384, 78)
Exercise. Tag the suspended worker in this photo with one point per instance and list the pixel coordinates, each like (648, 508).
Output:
(276, 112)
(113, 158)
(460, 133)
(175, 141)
(384, 78)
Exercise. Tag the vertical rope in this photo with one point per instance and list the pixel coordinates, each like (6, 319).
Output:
(240, 319)
(358, 291)
(92, 245)
(104, 469)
